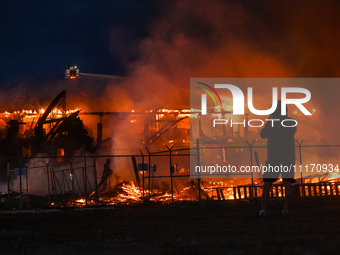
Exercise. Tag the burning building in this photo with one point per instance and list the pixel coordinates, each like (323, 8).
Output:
(51, 131)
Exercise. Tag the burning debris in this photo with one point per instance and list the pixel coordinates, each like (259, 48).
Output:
(61, 133)
(35, 131)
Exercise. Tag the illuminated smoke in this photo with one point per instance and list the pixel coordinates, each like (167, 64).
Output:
(218, 39)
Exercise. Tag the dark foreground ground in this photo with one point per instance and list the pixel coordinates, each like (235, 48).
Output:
(190, 228)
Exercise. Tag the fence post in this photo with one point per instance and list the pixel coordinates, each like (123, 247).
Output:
(251, 165)
(171, 182)
(300, 155)
(72, 179)
(85, 179)
(149, 170)
(8, 180)
(198, 175)
(48, 183)
(95, 180)
(143, 170)
(20, 180)
(27, 197)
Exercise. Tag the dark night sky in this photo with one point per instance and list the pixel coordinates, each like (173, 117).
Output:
(158, 45)
(39, 38)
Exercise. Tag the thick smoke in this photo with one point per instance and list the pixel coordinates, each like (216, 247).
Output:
(208, 39)
(216, 39)
(241, 39)
(234, 39)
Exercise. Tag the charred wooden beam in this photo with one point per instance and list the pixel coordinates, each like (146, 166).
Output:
(135, 168)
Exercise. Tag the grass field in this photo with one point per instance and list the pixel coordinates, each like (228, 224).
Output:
(216, 227)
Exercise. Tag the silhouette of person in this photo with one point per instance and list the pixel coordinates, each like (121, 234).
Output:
(280, 156)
